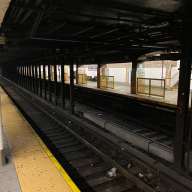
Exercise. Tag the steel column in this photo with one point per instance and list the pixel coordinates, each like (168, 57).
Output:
(182, 114)
(98, 75)
(18, 75)
(25, 79)
(22, 75)
(28, 78)
(72, 104)
(36, 81)
(40, 81)
(63, 85)
(134, 76)
(32, 75)
(44, 81)
(49, 82)
(55, 82)
(77, 72)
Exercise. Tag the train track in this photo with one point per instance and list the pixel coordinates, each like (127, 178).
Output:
(96, 170)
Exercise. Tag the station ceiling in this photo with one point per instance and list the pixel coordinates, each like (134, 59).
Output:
(110, 30)
(3, 8)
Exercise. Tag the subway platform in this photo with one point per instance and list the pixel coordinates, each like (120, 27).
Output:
(29, 166)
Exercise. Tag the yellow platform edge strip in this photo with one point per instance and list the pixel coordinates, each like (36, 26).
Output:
(64, 174)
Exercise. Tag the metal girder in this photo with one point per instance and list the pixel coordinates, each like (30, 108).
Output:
(183, 127)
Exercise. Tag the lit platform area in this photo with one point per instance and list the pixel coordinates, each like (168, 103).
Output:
(155, 80)
(30, 166)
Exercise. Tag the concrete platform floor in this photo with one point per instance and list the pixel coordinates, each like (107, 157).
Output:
(35, 170)
(123, 88)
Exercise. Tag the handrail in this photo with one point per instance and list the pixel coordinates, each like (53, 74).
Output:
(105, 80)
(149, 87)
(82, 78)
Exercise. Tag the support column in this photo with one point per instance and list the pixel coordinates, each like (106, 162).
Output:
(134, 76)
(24, 77)
(36, 81)
(40, 81)
(98, 75)
(72, 105)
(183, 128)
(63, 85)
(28, 77)
(33, 77)
(18, 76)
(44, 82)
(77, 72)
(49, 82)
(182, 125)
(21, 75)
(55, 82)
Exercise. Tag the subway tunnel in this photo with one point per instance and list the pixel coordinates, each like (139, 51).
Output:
(101, 90)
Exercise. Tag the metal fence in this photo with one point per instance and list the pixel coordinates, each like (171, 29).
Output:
(107, 82)
(151, 87)
(82, 79)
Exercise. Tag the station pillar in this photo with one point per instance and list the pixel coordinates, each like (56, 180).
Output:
(98, 75)
(63, 84)
(182, 145)
(55, 82)
(72, 104)
(134, 76)
(49, 82)
(40, 81)
(77, 73)
(44, 81)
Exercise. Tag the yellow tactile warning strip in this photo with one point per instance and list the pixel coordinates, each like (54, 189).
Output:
(37, 169)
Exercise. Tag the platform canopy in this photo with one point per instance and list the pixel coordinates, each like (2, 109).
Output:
(98, 29)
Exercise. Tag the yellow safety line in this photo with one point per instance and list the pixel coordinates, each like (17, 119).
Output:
(64, 174)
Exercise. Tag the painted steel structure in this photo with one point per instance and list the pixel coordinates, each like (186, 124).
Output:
(99, 32)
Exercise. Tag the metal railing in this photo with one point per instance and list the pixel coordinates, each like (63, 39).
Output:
(151, 87)
(107, 82)
(82, 79)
